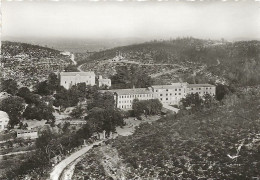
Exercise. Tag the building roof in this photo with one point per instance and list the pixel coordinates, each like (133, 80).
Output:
(172, 86)
(104, 80)
(129, 91)
(199, 85)
(90, 73)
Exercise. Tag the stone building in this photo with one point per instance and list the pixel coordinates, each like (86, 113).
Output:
(68, 79)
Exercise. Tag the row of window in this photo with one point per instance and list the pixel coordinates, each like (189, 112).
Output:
(171, 94)
(126, 106)
(168, 90)
(136, 95)
(200, 88)
(71, 82)
(128, 101)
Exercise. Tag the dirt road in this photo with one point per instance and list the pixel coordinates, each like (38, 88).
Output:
(58, 169)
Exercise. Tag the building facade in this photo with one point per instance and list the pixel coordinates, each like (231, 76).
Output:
(68, 79)
(166, 94)
(104, 82)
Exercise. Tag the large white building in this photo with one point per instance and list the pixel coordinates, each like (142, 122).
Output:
(167, 94)
(68, 79)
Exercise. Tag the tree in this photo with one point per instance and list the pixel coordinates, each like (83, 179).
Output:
(71, 68)
(127, 77)
(39, 112)
(53, 82)
(10, 86)
(25, 93)
(222, 90)
(192, 100)
(104, 119)
(77, 112)
(14, 107)
(149, 107)
(42, 88)
(102, 100)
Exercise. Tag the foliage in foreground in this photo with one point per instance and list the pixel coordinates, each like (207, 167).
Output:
(219, 143)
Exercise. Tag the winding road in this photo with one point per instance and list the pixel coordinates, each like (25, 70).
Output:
(59, 168)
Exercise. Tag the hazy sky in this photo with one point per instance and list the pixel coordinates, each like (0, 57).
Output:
(149, 20)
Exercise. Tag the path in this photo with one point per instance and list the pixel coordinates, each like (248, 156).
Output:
(72, 58)
(173, 109)
(58, 169)
(15, 153)
(79, 68)
(65, 169)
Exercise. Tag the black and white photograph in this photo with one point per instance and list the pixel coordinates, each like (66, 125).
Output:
(130, 90)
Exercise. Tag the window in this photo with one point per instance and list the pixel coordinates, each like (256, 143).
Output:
(161, 99)
(156, 91)
(65, 82)
(179, 89)
(166, 94)
(175, 89)
(166, 89)
(175, 93)
(199, 88)
(170, 94)
(160, 94)
(166, 98)
(179, 93)
(191, 88)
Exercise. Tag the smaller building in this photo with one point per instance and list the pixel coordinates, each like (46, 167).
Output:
(104, 82)
(27, 134)
(4, 120)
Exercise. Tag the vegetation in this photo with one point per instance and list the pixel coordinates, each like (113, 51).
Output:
(148, 107)
(129, 77)
(10, 86)
(218, 143)
(104, 120)
(71, 68)
(16, 48)
(238, 62)
(14, 107)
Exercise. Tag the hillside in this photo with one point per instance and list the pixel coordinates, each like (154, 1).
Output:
(15, 48)
(220, 58)
(218, 143)
(29, 64)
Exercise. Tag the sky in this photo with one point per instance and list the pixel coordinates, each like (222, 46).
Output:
(147, 20)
